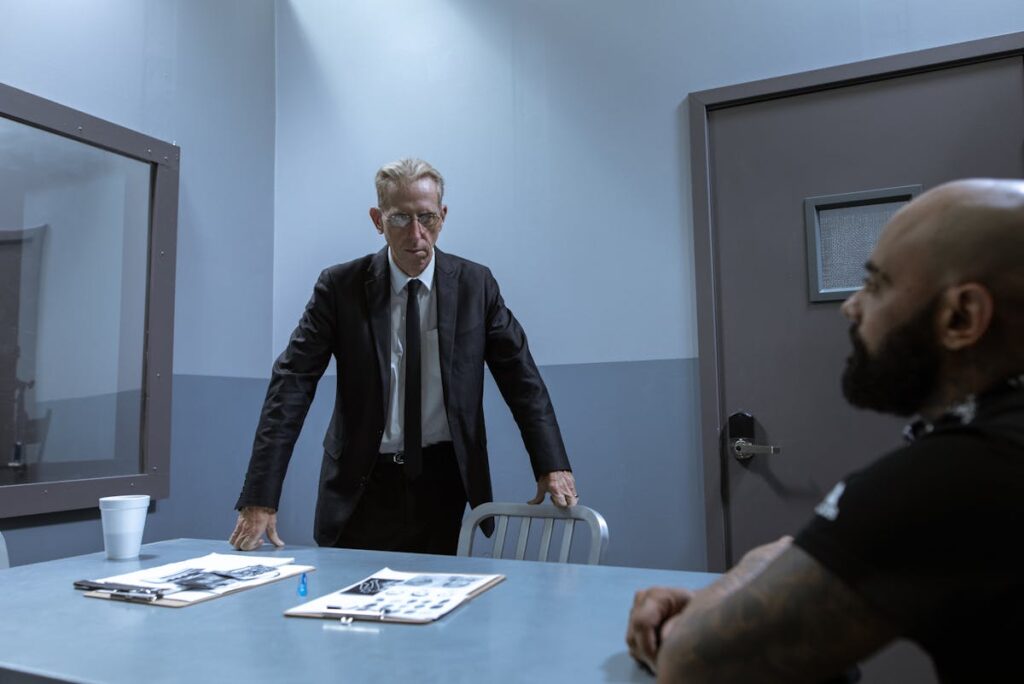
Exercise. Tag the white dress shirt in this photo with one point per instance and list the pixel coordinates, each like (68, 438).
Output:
(434, 417)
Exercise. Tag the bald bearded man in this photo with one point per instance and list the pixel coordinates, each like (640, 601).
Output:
(918, 544)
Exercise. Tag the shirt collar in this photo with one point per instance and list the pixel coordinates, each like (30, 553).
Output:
(960, 413)
(399, 278)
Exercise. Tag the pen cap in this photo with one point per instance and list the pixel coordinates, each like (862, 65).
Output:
(124, 519)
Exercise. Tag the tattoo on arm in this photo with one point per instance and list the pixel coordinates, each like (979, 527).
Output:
(792, 622)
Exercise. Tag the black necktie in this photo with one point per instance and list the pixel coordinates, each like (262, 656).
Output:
(412, 426)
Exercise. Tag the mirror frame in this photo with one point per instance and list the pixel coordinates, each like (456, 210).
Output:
(158, 345)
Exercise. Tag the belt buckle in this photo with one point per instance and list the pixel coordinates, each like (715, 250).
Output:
(397, 458)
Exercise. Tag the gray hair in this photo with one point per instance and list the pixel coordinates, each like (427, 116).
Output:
(405, 171)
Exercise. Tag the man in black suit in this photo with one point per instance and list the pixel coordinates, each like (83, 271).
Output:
(405, 450)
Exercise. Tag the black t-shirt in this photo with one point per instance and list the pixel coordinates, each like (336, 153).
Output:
(930, 536)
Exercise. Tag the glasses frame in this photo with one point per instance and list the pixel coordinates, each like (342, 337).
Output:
(429, 224)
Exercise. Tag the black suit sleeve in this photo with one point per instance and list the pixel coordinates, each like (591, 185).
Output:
(509, 359)
(293, 384)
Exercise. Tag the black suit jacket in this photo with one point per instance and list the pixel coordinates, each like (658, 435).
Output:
(348, 318)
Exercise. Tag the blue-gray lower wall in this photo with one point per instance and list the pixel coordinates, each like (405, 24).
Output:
(631, 430)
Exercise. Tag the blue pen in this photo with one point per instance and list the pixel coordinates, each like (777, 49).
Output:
(302, 590)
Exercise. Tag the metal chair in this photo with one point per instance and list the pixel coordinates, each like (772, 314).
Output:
(503, 511)
(5, 561)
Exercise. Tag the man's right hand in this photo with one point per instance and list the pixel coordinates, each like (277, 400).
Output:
(653, 614)
(253, 522)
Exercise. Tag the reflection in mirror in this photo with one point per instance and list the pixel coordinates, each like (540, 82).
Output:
(74, 224)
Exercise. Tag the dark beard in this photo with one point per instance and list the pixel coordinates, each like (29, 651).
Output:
(905, 372)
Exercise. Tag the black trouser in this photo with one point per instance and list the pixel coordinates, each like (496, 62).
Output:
(421, 516)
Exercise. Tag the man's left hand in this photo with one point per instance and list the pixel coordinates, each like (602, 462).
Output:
(562, 487)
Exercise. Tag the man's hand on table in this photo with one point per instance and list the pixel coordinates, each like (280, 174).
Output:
(654, 612)
(253, 523)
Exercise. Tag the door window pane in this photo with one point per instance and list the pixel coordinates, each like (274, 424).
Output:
(847, 236)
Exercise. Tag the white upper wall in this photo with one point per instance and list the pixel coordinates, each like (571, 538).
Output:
(560, 127)
(200, 74)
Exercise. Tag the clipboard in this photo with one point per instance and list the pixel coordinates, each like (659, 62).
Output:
(184, 583)
(391, 596)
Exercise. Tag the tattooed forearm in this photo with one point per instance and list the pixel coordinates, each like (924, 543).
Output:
(792, 622)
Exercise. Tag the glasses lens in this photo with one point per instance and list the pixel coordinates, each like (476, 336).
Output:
(426, 219)
(399, 220)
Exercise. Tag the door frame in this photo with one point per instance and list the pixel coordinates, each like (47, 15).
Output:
(701, 105)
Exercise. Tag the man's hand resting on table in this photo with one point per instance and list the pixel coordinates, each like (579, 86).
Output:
(253, 522)
(650, 620)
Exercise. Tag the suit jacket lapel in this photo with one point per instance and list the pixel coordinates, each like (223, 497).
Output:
(446, 276)
(378, 304)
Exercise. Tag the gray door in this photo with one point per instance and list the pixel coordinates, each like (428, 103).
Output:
(766, 348)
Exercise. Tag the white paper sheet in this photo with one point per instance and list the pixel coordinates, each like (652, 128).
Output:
(390, 595)
(197, 579)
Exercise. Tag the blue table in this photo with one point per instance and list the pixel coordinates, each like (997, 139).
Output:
(545, 622)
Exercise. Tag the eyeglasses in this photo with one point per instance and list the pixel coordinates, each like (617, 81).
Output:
(398, 220)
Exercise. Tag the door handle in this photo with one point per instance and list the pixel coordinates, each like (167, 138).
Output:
(741, 435)
(744, 450)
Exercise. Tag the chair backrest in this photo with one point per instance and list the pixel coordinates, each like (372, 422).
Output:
(528, 513)
(5, 561)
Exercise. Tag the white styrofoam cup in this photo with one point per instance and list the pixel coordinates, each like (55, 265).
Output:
(124, 519)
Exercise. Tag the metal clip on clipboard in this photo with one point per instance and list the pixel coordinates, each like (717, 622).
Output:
(124, 592)
(348, 617)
